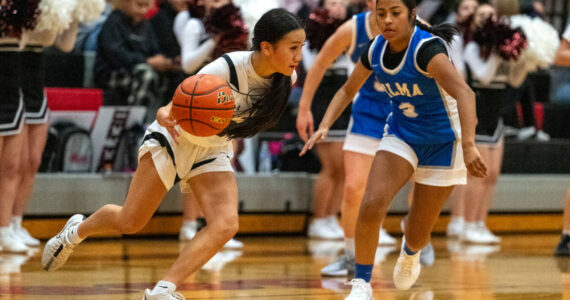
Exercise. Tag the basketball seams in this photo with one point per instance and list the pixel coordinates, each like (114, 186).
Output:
(203, 93)
(192, 102)
(210, 118)
(205, 108)
(201, 122)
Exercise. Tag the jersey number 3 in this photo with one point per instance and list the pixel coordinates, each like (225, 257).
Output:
(408, 110)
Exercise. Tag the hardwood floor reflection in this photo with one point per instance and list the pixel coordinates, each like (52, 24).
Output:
(522, 267)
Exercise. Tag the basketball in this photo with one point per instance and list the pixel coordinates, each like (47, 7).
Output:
(203, 105)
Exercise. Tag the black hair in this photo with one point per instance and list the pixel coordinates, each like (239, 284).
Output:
(445, 31)
(267, 109)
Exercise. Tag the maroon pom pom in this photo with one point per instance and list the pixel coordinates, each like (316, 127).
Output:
(17, 16)
(320, 27)
(499, 37)
(227, 20)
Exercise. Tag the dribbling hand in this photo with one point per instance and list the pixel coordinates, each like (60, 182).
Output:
(319, 136)
(473, 161)
(165, 119)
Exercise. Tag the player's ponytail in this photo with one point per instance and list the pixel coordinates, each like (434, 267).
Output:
(267, 109)
(445, 31)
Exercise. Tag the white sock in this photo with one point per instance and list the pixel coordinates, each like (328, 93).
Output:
(349, 247)
(163, 287)
(17, 221)
(5, 231)
(72, 235)
(457, 220)
(566, 232)
(193, 223)
(481, 223)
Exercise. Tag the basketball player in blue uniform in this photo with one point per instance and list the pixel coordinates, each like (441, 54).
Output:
(370, 109)
(423, 136)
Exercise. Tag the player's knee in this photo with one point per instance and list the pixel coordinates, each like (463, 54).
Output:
(373, 206)
(353, 191)
(129, 224)
(10, 168)
(227, 227)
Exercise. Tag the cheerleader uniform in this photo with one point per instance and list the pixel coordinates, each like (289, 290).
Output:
(334, 78)
(11, 99)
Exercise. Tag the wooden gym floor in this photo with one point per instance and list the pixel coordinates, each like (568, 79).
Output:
(522, 267)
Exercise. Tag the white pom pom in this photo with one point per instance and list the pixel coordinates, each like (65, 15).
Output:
(55, 15)
(542, 41)
(88, 10)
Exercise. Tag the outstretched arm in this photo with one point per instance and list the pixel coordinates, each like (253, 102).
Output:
(441, 69)
(335, 45)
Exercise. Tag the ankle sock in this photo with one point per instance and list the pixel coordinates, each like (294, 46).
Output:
(163, 286)
(363, 272)
(72, 235)
(408, 251)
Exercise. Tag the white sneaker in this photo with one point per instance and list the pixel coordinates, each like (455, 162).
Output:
(542, 136)
(319, 229)
(487, 234)
(361, 290)
(188, 231)
(233, 244)
(334, 226)
(9, 242)
(25, 236)
(341, 267)
(220, 259)
(162, 296)
(58, 248)
(407, 270)
(526, 133)
(472, 234)
(455, 227)
(384, 238)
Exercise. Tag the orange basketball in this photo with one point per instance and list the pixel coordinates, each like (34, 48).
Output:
(203, 105)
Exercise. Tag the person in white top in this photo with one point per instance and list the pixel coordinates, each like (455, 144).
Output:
(169, 154)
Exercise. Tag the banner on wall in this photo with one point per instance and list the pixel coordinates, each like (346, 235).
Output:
(109, 126)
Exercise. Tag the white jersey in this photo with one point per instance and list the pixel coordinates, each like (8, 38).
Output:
(250, 86)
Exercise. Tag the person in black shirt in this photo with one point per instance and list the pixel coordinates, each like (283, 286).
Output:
(163, 23)
(129, 58)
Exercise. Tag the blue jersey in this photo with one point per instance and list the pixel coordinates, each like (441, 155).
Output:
(422, 112)
(371, 99)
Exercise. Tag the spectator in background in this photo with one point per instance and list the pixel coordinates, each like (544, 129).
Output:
(89, 32)
(129, 60)
(328, 187)
(490, 76)
(463, 18)
(163, 24)
(560, 72)
(527, 92)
